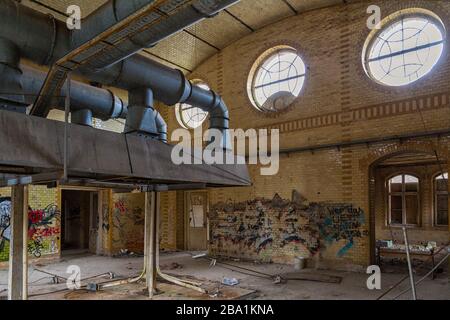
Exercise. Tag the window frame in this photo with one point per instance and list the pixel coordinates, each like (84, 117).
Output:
(403, 194)
(259, 64)
(436, 193)
(389, 22)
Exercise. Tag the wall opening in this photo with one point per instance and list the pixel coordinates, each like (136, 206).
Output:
(79, 218)
(402, 195)
(197, 226)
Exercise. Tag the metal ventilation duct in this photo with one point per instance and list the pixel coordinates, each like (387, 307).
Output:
(44, 40)
(103, 103)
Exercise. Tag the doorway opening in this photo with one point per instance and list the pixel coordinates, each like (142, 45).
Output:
(197, 226)
(79, 221)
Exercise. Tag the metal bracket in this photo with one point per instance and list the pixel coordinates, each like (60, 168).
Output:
(32, 179)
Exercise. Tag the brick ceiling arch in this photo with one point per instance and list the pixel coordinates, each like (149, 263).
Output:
(206, 38)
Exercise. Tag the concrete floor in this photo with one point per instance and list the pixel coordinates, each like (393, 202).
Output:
(353, 285)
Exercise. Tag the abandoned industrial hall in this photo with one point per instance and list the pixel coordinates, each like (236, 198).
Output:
(224, 150)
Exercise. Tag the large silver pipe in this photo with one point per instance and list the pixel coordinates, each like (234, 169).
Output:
(84, 98)
(103, 103)
(42, 39)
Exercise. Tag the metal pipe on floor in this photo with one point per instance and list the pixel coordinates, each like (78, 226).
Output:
(425, 276)
(408, 257)
(403, 279)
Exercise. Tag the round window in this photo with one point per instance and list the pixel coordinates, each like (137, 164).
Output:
(191, 117)
(405, 49)
(277, 80)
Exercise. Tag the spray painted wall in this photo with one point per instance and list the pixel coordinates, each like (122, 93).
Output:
(44, 219)
(128, 217)
(278, 230)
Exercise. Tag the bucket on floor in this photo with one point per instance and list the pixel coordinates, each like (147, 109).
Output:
(299, 263)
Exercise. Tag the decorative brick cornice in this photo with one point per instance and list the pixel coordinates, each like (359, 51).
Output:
(378, 111)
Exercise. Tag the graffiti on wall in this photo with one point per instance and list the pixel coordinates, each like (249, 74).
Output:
(105, 218)
(43, 230)
(128, 222)
(120, 206)
(284, 226)
(5, 230)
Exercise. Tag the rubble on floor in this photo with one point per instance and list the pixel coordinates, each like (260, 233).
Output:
(251, 285)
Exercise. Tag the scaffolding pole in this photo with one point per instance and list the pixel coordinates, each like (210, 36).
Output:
(408, 257)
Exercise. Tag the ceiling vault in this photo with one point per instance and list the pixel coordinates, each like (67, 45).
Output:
(204, 39)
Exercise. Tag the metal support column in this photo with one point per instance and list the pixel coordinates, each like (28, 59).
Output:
(66, 129)
(150, 242)
(18, 253)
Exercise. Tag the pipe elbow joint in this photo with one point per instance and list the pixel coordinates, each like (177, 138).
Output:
(218, 114)
(118, 109)
(161, 126)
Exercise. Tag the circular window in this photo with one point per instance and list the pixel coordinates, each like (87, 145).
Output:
(191, 117)
(277, 80)
(406, 49)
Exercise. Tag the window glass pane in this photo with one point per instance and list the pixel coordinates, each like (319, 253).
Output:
(442, 210)
(412, 207)
(442, 182)
(396, 209)
(406, 50)
(411, 184)
(278, 80)
(395, 184)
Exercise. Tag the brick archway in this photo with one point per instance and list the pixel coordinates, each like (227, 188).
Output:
(376, 156)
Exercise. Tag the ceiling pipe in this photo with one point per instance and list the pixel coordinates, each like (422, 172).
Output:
(169, 86)
(10, 86)
(44, 39)
(86, 101)
(170, 17)
(102, 103)
(30, 31)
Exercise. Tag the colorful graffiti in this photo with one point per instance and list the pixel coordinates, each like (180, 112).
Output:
(43, 230)
(284, 226)
(120, 206)
(105, 218)
(342, 222)
(128, 222)
(5, 230)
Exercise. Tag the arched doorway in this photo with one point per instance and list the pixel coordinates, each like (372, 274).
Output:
(405, 189)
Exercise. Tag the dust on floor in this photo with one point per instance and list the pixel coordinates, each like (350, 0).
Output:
(251, 285)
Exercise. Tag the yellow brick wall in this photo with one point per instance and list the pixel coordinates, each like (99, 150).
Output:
(339, 103)
(128, 222)
(168, 223)
(427, 231)
(44, 223)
